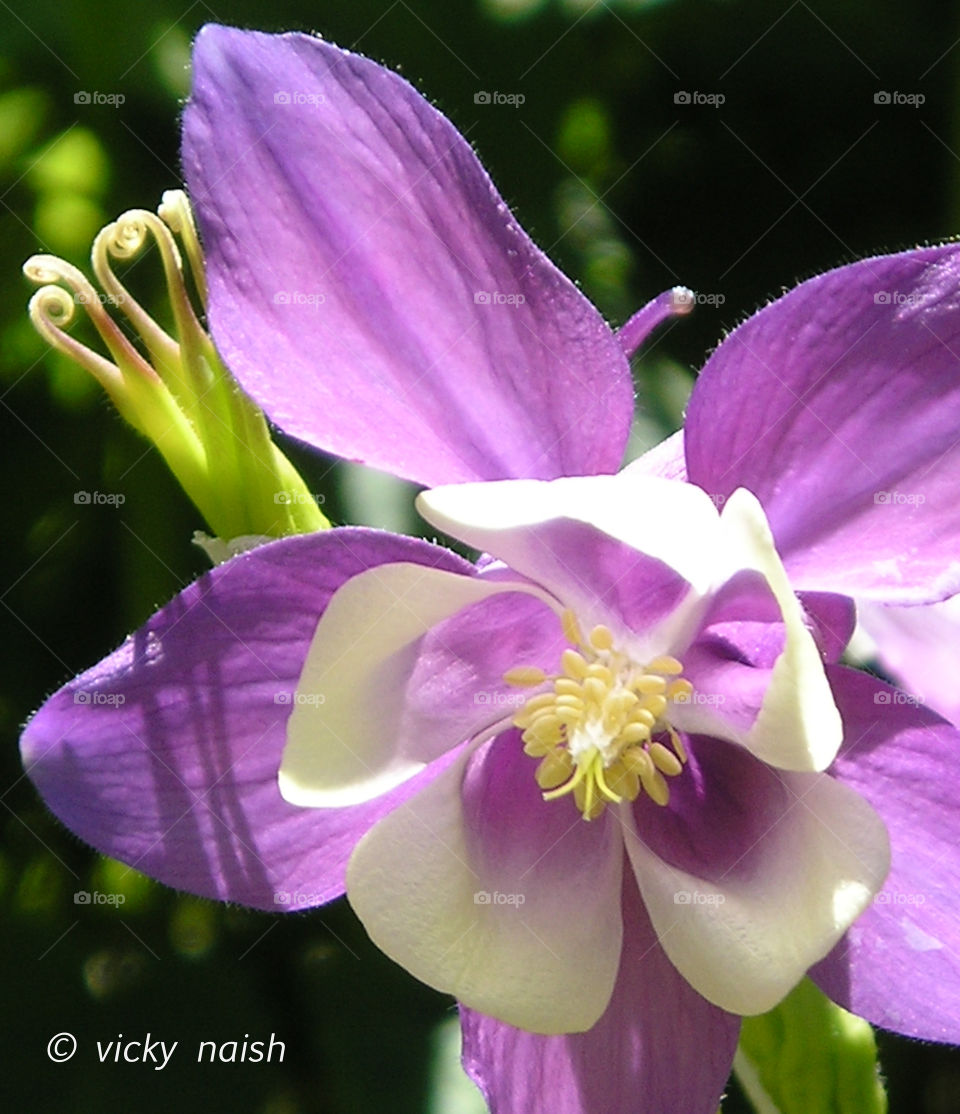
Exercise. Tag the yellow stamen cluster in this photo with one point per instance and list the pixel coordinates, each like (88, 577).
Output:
(598, 729)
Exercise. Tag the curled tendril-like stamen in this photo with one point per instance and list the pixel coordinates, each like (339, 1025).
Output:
(52, 309)
(124, 239)
(175, 210)
(215, 440)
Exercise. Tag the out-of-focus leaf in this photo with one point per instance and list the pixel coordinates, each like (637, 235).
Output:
(809, 1056)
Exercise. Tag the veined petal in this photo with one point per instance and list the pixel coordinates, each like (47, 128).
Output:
(480, 889)
(368, 716)
(370, 288)
(165, 755)
(899, 964)
(660, 1048)
(744, 931)
(838, 407)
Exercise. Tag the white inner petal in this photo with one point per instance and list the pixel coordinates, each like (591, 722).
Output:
(745, 940)
(342, 736)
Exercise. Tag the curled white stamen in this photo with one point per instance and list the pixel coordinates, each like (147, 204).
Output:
(52, 308)
(125, 239)
(175, 210)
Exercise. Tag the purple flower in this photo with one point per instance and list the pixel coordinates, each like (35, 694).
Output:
(610, 786)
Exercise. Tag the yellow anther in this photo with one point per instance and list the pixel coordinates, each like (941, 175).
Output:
(564, 686)
(571, 628)
(524, 676)
(545, 727)
(601, 638)
(533, 707)
(665, 760)
(665, 664)
(536, 748)
(637, 760)
(623, 781)
(680, 689)
(656, 788)
(655, 705)
(567, 787)
(601, 672)
(634, 733)
(677, 744)
(594, 689)
(555, 769)
(574, 665)
(569, 701)
(601, 731)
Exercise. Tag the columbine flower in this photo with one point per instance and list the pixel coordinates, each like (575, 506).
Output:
(609, 786)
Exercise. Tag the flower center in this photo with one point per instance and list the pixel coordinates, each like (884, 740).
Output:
(601, 730)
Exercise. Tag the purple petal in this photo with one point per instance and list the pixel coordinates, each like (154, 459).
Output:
(730, 662)
(832, 620)
(368, 285)
(659, 1049)
(165, 755)
(899, 964)
(838, 407)
(919, 647)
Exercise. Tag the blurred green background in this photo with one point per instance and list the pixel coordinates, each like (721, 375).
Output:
(630, 190)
